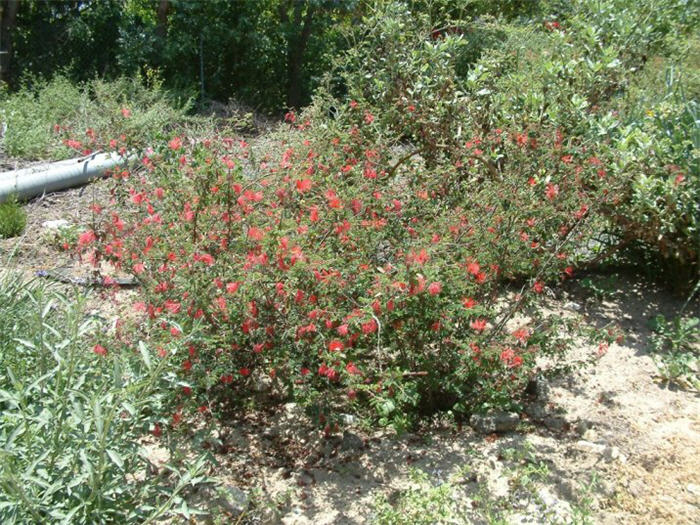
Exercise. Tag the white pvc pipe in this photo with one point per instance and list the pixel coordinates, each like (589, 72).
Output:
(30, 182)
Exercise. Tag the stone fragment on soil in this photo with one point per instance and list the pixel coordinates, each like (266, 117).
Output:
(494, 422)
(351, 442)
(226, 498)
(55, 225)
(233, 499)
(556, 423)
(587, 446)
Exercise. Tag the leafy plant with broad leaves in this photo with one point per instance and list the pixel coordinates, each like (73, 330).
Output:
(73, 418)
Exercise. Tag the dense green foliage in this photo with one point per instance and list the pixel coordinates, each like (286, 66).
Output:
(255, 50)
(618, 80)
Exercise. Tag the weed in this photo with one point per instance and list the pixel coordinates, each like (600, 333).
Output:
(421, 504)
(72, 418)
(601, 287)
(675, 344)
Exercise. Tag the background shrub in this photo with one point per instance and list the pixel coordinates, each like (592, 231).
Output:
(40, 116)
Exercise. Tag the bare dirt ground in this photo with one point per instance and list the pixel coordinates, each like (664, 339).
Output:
(612, 445)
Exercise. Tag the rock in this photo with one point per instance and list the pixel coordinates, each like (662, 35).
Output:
(590, 435)
(55, 225)
(607, 488)
(556, 423)
(561, 510)
(637, 488)
(571, 305)
(211, 501)
(233, 499)
(693, 489)
(613, 453)
(568, 489)
(292, 410)
(494, 422)
(536, 411)
(538, 388)
(348, 419)
(587, 446)
(328, 450)
(351, 441)
(262, 383)
(270, 433)
(304, 479)
(582, 426)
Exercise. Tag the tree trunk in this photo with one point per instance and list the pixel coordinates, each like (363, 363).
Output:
(162, 16)
(296, 46)
(8, 22)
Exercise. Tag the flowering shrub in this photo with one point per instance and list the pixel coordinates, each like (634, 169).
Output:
(349, 274)
(395, 255)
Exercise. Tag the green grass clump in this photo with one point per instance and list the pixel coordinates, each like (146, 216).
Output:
(13, 219)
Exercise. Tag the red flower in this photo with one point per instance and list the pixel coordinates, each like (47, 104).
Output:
(538, 286)
(434, 288)
(99, 350)
(313, 213)
(335, 345)
(509, 358)
(352, 369)
(304, 185)
(333, 200)
(172, 306)
(478, 324)
(255, 234)
(175, 144)
(469, 303)
(369, 327)
(86, 238)
(552, 191)
(156, 430)
(245, 372)
(522, 335)
(473, 268)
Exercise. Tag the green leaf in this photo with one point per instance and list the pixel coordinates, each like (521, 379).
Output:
(116, 458)
(144, 355)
